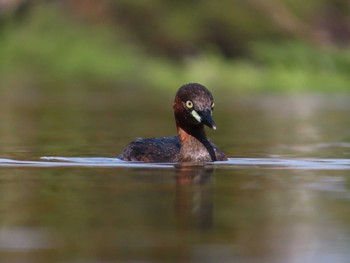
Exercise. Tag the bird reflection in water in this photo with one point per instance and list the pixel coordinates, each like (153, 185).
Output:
(194, 202)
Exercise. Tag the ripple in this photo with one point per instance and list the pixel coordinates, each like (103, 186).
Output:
(232, 163)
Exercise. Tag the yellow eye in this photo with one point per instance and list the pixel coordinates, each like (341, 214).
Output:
(189, 104)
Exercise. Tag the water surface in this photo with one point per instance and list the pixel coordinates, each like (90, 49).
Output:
(283, 196)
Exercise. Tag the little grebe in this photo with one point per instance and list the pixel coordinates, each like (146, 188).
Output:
(193, 107)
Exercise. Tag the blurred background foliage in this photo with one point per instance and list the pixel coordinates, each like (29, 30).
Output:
(240, 46)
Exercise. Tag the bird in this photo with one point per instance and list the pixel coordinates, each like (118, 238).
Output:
(193, 108)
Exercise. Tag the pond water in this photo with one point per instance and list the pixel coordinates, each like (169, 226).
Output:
(283, 196)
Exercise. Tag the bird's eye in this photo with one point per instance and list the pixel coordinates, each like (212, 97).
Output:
(212, 106)
(189, 104)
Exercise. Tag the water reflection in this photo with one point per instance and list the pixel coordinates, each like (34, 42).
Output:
(192, 174)
(186, 213)
(194, 203)
(24, 239)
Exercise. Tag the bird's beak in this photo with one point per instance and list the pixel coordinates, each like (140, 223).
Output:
(207, 119)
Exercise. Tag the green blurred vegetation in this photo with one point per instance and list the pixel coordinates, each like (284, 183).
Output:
(230, 45)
